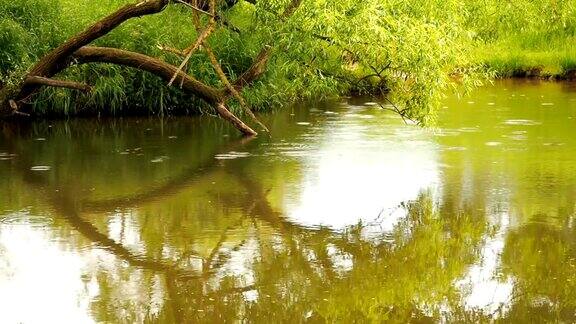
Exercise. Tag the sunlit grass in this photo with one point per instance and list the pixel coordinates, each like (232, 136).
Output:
(547, 56)
(423, 54)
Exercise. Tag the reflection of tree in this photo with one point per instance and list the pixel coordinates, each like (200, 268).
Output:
(256, 264)
(296, 272)
(65, 207)
(171, 187)
(541, 258)
(527, 182)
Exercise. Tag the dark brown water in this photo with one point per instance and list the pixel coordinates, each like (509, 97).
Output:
(344, 214)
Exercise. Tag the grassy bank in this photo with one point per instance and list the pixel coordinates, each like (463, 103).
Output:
(536, 57)
(526, 38)
(30, 28)
(327, 49)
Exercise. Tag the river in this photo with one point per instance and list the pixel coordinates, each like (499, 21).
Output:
(344, 212)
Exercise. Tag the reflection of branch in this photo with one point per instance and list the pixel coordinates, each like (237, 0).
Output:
(237, 290)
(212, 257)
(294, 235)
(66, 209)
(173, 295)
(172, 187)
(64, 205)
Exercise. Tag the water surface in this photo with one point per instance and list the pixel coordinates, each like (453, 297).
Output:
(344, 213)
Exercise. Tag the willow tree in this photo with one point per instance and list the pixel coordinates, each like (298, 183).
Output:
(303, 47)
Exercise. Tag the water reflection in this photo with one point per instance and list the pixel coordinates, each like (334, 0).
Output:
(344, 214)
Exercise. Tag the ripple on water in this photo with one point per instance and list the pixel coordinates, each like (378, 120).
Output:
(232, 155)
(40, 168)
(553, 144)
(456, 148)
(519, 137)
(4, 156)
(160, 159)
(469, 129)
(521, 122)
(446, 133)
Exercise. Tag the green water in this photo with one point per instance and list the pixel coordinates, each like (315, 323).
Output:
(345, 213)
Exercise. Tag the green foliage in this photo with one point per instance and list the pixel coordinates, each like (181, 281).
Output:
(412, 51)
(524, 37)
(325, 49)
(13, 41)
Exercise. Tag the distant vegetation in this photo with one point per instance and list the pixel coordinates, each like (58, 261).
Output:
(531, 38)
(410, 49)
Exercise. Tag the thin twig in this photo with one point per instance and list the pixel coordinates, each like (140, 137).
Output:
(203, 35)
(395, 109)
(191, 49)
(231, 88)
(224, 79)
(195, 8)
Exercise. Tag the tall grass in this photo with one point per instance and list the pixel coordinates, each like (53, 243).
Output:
(525, 56)
(526, 37)
(30, 28)
(508, 41)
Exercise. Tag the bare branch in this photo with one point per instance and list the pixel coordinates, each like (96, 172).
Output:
(231, 88)
(189, 51)
(224, 79)
(255, 70)
(239, 124)
(195, 8)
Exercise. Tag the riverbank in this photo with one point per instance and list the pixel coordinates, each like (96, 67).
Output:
(543, 58)
(411, 54)
(534, 65)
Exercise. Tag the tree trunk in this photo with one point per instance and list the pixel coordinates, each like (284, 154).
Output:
(75, 51)
(146, 63)
(49, 64)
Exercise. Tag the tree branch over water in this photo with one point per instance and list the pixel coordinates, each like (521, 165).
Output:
(74, 50)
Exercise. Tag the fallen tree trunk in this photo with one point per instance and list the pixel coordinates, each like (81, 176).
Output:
(90, 54)
(76, 51)
(48, 65)
(165, 71)
(51, 63)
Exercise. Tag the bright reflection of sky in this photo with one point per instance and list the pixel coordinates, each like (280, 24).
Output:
(484, 290)
(357, 172)
(40, 282)
(358, 175)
